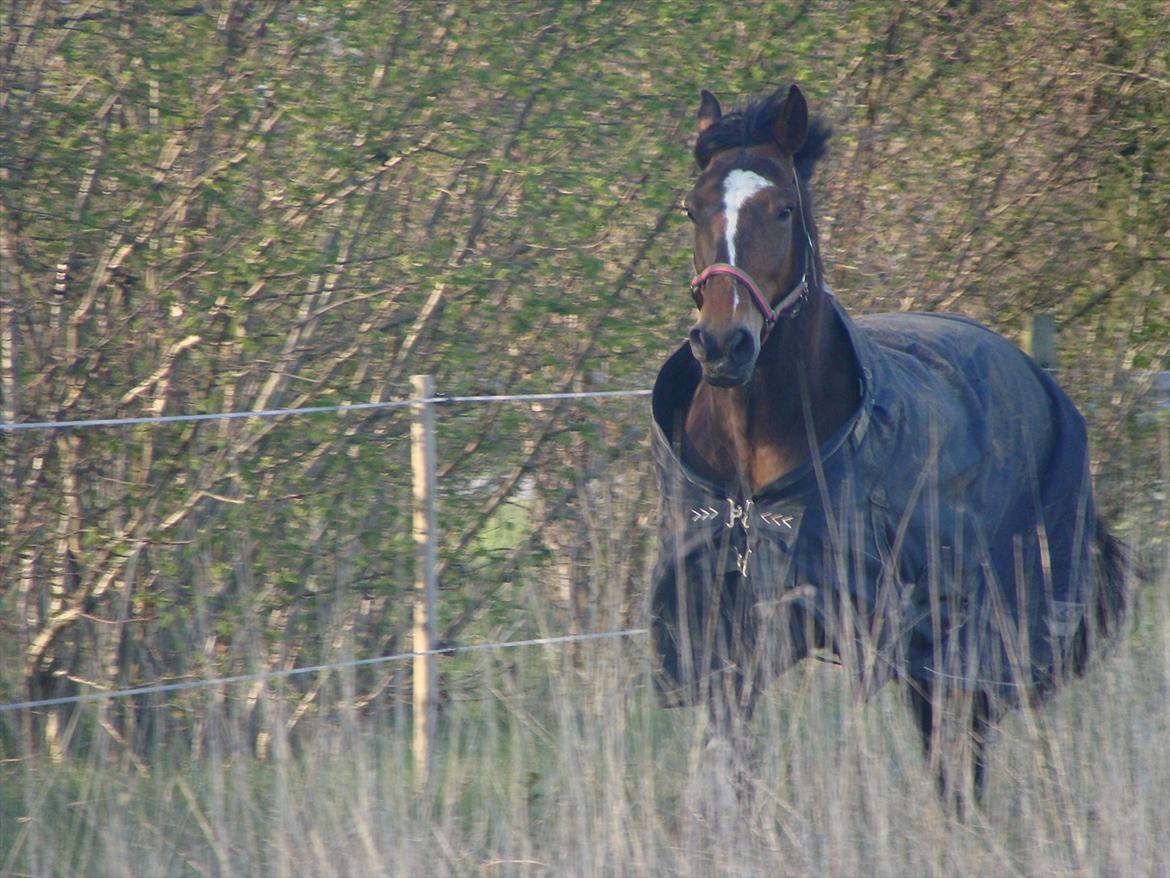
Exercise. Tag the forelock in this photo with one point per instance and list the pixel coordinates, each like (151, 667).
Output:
(749, 125)
(752, 125)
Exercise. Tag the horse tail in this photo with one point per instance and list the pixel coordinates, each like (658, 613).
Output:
(1109, 607)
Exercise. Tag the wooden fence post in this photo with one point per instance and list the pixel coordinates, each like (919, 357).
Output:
(426, 538)
(1040, 341)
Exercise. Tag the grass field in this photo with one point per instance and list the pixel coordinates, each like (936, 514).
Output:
(559, 764)
(557, 760)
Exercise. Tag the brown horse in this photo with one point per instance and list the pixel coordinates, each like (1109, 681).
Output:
(908, 491)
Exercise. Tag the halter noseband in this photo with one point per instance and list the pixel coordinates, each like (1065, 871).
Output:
(789, 306)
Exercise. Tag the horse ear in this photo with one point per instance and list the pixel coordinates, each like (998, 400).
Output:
(709, 111)
(792, 122)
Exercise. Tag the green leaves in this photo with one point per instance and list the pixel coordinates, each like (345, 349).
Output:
(334, 196)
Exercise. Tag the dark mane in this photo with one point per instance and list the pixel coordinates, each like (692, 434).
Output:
(751, 125)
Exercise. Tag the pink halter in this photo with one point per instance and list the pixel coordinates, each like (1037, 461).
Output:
(795, 296)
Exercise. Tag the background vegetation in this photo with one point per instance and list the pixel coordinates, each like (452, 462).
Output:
(238, 204)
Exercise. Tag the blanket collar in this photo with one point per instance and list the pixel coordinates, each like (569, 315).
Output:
(681, 374)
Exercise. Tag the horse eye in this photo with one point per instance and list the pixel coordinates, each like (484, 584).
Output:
(784, 214)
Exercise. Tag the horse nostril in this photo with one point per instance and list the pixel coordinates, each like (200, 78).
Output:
(701, 344)
(741, 347)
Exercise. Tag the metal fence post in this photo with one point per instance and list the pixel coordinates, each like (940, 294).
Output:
(422, 459)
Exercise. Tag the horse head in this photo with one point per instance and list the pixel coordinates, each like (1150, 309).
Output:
(754, 253)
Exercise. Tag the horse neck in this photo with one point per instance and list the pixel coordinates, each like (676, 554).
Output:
(754, 434)
(807, 372)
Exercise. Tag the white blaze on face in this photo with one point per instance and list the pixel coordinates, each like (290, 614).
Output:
(738, 187)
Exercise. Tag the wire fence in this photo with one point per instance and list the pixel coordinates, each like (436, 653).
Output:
(315, 669)
(340, 409)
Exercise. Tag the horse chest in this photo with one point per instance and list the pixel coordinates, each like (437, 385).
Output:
(720, 443)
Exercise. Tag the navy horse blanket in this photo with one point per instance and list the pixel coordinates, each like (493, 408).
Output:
(944, 534)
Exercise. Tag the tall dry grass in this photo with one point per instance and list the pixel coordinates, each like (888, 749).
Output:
(558, 762)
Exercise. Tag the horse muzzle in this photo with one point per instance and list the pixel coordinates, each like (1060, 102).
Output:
(728, 358)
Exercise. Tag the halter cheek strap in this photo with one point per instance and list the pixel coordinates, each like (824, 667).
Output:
(789, 306)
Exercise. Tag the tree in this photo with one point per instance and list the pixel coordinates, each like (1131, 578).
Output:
(232, 206)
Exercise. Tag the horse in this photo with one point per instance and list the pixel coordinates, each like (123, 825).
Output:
(908, 492)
